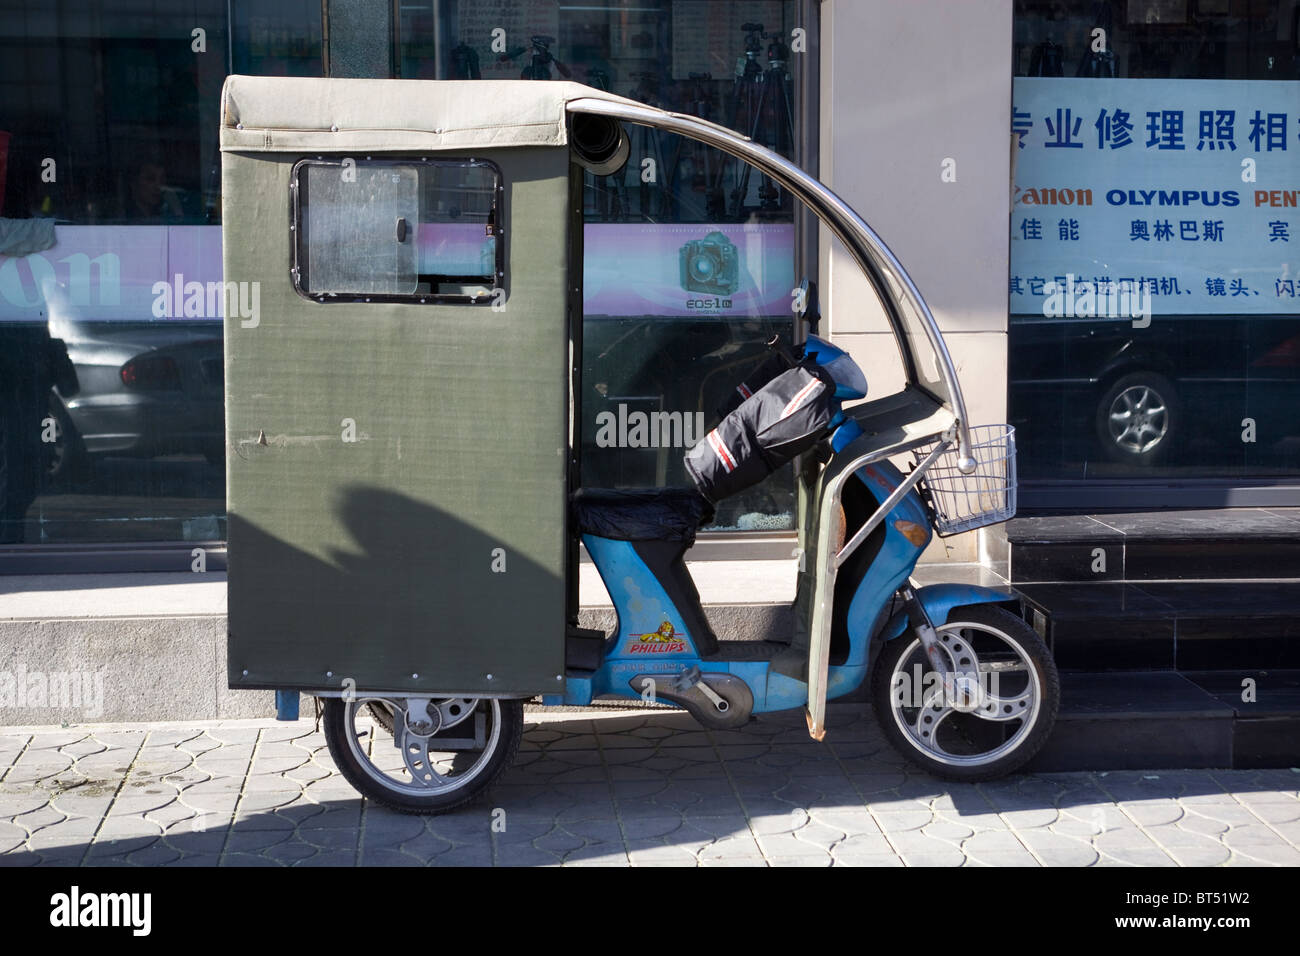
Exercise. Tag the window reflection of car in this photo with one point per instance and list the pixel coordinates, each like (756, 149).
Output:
(146, 389)
(1176, 391)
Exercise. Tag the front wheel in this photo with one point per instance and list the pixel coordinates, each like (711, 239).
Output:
(992, 713)
(423, 755)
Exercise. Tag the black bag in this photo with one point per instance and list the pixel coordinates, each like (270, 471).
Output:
(641, 514)
(785, 417)
(770, 368)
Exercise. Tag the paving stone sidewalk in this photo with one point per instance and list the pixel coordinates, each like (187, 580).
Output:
(614, 788)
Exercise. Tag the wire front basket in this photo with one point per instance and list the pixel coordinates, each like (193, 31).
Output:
(985, 496)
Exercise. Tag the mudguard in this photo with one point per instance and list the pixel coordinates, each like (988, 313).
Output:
(939, 599)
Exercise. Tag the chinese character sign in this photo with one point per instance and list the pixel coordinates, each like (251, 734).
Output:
(1187, 191)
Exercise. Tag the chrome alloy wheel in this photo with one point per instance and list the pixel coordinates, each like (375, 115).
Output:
(419, 755)
(1138, 419)
(982, 711)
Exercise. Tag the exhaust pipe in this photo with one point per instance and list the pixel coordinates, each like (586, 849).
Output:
(599, 143)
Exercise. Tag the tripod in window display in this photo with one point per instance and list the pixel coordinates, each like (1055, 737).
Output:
(653, 183)
(539, 67)
(761, 108)
(702, 164)
(654, 186)
(1098, 61)
(683, 167)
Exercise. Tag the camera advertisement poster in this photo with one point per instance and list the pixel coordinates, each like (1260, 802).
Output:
(1182, 194)
(730, 269)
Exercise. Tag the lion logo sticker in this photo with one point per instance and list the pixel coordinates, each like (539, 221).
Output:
(665, 640)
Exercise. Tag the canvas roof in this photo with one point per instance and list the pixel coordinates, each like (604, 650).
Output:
(293, 114)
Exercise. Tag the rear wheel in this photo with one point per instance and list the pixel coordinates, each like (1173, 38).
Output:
(993, 713)
(423, 755)
(66, 461)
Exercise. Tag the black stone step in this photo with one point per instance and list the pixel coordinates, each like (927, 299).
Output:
(1266, 707)
(1206, 544)
(1170, 719)
(1203, 625)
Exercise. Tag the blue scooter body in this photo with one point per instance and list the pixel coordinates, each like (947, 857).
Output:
(653, 640)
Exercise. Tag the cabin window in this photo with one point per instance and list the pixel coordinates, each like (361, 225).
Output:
(387, 230)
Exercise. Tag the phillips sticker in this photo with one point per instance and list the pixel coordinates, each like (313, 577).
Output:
(666, 640)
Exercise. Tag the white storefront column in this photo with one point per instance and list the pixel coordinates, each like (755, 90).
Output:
(915, 135)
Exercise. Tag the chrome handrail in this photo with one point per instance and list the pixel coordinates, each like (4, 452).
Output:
(889, 503)
(829, 561)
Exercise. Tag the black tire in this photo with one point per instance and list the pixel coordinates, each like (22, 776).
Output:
(1163, 414)
(961, 623)
(381, 715)
(338, 721)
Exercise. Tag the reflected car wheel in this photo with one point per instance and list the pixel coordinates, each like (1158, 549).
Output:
(1138, 419)
(65, 457)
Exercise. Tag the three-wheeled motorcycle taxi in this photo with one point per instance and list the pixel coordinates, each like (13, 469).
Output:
(403, 415)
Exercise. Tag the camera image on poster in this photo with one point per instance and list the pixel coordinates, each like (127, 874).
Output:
(710, 265)
(702, 269)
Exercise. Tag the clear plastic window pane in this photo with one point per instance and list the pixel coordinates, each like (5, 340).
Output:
(357, 232)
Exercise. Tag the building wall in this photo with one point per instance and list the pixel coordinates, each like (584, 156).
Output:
(906, 88)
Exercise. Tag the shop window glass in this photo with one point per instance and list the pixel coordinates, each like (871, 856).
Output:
(1155, 239)
(689, 254)
(110, 219)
